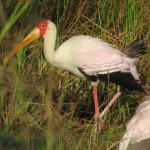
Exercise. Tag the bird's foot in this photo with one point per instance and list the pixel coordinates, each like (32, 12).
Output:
(97, 125)
(97, 122)
(97, 128)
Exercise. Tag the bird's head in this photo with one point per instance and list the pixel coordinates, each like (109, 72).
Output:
(42, 27)
(37, 32)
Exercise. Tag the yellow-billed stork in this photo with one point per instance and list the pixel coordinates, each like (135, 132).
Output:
(89, 58)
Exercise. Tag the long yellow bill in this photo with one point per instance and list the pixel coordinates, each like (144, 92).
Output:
(34, 34)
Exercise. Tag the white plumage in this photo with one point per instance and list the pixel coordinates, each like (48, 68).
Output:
(91, 54)
(138, 129)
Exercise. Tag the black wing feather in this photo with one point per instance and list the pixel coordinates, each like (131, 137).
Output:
(124, 79)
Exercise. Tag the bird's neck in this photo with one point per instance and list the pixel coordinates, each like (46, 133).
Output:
(49, 45)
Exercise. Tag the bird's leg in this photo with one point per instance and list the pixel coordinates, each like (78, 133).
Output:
(97, 124)
(97, 114)
(110, 104)
(96, 103)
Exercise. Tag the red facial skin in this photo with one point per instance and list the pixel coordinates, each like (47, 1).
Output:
(43, 27)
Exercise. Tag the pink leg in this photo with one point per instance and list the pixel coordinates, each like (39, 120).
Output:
(96, 103)
(97, 114)
(109, 105)
(97, 125)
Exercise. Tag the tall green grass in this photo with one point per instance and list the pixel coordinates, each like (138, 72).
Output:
(44, 108)
(17, 12)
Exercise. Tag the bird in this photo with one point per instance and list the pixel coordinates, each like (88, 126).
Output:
(89, 58)
(137, 136)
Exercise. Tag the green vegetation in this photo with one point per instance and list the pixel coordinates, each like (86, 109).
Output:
(44, 108)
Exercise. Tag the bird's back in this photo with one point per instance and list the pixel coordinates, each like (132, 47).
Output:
(82, 44)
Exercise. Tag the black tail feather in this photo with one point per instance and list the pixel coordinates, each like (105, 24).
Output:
(126, 80)
(134, 49)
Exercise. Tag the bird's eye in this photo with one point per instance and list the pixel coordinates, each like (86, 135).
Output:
(43, 26)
